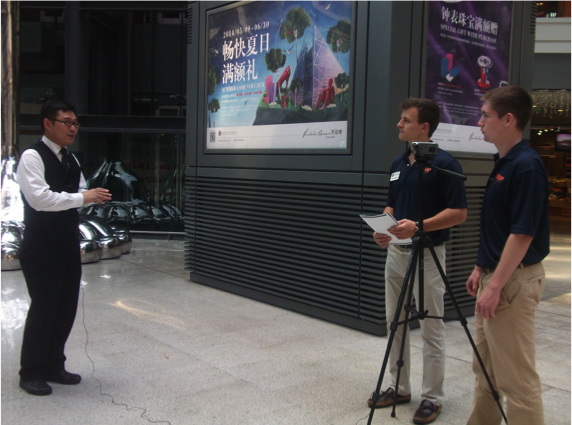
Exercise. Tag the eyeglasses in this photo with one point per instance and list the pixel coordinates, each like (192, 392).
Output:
(68, 123)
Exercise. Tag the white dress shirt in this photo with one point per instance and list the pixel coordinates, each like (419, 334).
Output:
(30, 176)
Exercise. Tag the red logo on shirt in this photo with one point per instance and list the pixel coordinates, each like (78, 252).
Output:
(499, 178)
(426, 170)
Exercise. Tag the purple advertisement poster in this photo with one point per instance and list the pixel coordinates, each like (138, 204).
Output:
(278, 75)
(468, 48)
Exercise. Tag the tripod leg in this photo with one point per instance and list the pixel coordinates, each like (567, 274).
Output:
(393, 329)
(463, 322)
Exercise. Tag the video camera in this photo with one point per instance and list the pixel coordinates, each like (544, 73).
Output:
(424, 148)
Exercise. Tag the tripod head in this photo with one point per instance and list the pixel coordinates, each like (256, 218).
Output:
(424, 149)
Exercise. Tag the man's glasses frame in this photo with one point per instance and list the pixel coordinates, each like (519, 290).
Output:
(68, 123)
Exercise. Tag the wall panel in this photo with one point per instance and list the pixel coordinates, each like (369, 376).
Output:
(304, 242)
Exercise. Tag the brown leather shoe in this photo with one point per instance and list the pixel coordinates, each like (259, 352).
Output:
(386, 399)
(426, 413)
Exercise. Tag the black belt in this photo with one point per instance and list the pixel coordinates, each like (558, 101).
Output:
(520, 266)
(410, 246)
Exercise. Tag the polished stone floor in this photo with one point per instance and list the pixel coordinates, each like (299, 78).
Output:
(154, 347)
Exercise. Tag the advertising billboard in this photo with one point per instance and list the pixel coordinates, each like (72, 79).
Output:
(278, 76)
(468, 48)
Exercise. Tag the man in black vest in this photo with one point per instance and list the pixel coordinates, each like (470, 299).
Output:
(53, 187)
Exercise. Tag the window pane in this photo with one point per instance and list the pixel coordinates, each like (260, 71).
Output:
(42, 58)
(137, 63)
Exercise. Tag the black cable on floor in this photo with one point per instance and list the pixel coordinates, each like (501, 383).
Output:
(127, 408)
(365, 417)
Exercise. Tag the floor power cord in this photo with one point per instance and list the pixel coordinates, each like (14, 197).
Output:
(365, 417)
(127, 407)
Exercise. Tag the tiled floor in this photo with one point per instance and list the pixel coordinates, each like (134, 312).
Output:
(153, 347)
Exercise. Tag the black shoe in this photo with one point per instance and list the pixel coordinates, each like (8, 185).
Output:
(36, 387)
(385, 399)
(63, 377)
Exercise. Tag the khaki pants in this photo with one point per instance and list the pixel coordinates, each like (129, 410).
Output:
(506, 345)
(432, 330)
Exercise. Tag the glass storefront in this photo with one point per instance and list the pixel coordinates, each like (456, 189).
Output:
(123, 65)
(129, 61)
(553, 9)
(550, 137)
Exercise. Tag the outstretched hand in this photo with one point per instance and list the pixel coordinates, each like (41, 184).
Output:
(99, 195)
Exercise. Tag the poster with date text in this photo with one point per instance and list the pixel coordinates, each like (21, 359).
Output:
(278, 76)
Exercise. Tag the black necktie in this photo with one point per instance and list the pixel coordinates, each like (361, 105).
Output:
(65, 162)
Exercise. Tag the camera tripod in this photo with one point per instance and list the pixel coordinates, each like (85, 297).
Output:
(421, 241)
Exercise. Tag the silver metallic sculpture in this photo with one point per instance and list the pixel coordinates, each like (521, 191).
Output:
(90, 251)
(12, 214)
(131, 205)
(136, 215)
(112, 242)
(99, 241)
(11, 238)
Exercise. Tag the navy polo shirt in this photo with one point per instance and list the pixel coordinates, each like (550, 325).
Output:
(515, 201)
(440, 191)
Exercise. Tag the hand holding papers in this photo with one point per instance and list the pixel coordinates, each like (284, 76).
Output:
(380, 223)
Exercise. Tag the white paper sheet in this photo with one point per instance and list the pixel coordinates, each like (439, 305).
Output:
(380, 223)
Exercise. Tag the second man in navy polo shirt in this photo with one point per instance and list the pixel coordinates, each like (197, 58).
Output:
(508, 279)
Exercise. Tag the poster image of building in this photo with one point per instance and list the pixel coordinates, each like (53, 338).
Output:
(468, 50)
(278, 76)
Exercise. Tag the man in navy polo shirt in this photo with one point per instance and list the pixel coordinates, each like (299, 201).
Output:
(445, 205)
(508, 278)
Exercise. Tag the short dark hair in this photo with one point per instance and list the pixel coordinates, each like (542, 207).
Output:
(51, 108)
(513, 99)
(427, 111)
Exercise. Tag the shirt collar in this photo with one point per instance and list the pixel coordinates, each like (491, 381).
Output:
(515, 150)
(407, 153)
(53, 147)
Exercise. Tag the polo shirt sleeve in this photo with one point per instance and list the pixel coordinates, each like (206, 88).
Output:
(391, 193)
(453, 189)
(528, 187)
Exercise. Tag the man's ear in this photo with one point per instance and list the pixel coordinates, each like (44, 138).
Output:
(426, 127)
(47, 124)
(509, 119)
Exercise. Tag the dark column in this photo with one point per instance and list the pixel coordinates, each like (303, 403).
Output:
(76, 56)
(10, 74)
